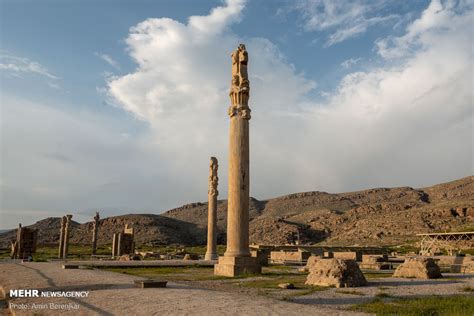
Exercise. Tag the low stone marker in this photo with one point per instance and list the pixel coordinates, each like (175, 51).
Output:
(70, 266)
(144, 284)
(335, 272)
(418, 268)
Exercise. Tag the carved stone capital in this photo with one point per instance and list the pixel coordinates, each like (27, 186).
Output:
(213, 178)
(242, 111)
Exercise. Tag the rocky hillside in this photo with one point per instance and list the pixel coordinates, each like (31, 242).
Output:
(382, 216)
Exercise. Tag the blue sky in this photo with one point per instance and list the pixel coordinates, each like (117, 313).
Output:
(117, 105)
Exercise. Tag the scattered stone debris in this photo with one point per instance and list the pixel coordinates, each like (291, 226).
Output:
(129, 257)
(191, 256)
(288, 286)
(419, 268)
(335, 272)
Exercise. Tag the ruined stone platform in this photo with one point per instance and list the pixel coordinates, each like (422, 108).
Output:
(115, 294)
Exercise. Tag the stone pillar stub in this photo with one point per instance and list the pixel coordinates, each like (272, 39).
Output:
(211, 253)
(237, 259)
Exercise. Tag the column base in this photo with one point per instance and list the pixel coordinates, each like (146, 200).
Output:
(211, 256)
(234, 266)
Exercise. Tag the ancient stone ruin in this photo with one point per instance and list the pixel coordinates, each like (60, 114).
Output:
(123, 243)
(237, 259)
(25, 244)
(95, 231)
(64, 236)
(335, 272)
(418, 268)
(284, 257)
(211, 252)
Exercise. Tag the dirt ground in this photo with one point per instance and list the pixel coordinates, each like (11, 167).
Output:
(114, 293)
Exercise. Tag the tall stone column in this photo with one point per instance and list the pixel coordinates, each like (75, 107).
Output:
(95, 231)
(237, 258)
(66, 235)
(211, 253)
(61, 237)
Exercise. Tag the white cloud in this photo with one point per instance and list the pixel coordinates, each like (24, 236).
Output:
(109, 60)
(342, 19)
(19, 65)
(378, 128)
(348, 63)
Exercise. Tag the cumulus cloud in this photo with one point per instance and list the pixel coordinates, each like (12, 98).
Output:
(342, 19)
(408, 122)
(21, 65)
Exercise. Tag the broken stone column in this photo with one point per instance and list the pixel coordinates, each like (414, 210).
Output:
(67, 231)
(237, 259)
(95, 231)
(61, 237)
(211, 252)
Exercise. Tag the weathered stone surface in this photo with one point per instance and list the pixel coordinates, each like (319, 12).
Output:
(335, 272)
(353, 255)
(237, 259)
(234, 266)
(123, 243)
(311, 262)
(25, 244)
(67, 234)
(211, 251)
(289, 256)
(419, 268)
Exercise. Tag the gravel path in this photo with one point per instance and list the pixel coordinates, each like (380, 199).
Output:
(114, 294)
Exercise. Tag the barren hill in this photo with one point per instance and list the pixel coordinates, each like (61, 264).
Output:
(382, 216)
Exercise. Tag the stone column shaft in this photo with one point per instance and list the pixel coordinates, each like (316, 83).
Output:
(66, 236)
(61, 237)
(211, 253)
(239, 185)
(94, 233)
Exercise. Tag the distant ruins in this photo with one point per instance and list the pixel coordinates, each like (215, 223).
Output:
(64, 234)
(211, 252)
(123, 243)
(25, 244)
(237, 259)
(95, 231)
